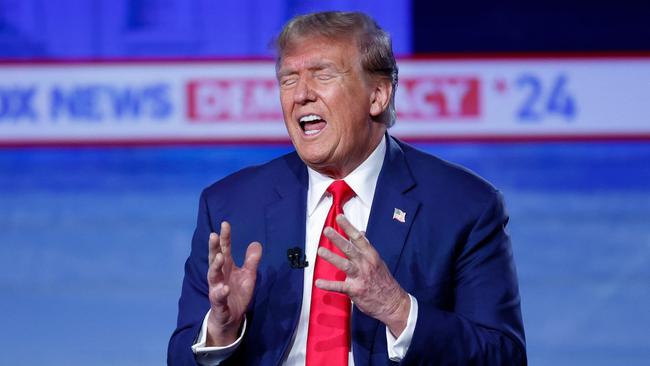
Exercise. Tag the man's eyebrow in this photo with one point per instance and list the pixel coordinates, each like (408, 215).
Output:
(320, 65)
(284, 72)
(312, 66)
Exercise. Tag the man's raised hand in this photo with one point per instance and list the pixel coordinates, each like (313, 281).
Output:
(230, 287)
(368, 282)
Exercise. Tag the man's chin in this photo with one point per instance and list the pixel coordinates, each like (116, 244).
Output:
(319, 162)
(315, 162)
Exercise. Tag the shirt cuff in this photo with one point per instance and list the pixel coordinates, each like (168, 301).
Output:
(210, 356)
(397, 347)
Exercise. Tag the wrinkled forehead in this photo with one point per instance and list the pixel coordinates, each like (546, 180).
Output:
(298, 43)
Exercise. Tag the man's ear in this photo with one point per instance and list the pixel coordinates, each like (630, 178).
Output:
(380, 97)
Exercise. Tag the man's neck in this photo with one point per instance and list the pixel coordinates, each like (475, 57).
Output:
(340, 172)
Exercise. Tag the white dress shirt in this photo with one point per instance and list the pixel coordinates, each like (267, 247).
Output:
(363, 181)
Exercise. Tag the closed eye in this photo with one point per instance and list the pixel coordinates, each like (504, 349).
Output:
(288, 81)
(324, 76)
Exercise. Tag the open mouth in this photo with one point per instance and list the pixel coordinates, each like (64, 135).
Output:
(312, 124)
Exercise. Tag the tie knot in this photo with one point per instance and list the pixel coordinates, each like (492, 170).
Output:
(341, 192)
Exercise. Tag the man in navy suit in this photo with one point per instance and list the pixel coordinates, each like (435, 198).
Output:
(417, 250)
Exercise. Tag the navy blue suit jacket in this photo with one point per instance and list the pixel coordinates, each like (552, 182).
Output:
(452, 253)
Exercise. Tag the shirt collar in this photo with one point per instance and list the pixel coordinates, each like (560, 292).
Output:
(362, 180)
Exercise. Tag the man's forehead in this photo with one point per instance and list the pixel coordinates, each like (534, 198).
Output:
(317, 53)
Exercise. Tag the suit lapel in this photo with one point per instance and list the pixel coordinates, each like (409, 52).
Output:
(285, 227)
(386, 233)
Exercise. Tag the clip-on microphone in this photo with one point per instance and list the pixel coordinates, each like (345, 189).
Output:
(296, 258)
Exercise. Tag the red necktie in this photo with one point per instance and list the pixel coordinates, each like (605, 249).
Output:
(328, 338)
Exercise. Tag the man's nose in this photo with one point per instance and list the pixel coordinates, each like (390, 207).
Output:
(304, 92)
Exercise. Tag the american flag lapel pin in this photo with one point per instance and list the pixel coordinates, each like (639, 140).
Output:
(399, 215)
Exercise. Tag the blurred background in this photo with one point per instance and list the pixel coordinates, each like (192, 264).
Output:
(97, 209)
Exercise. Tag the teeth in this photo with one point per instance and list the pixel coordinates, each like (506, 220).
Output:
(310, 117)
(312, 132)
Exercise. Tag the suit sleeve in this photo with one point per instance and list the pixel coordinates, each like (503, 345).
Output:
(485, 325)
(193, 303)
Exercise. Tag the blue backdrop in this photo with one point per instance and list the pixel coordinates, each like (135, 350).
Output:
(65, 29)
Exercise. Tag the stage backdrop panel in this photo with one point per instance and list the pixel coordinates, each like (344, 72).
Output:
(234, 101)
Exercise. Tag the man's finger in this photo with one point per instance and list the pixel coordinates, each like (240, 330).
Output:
(225, 247)
(219, 295)
(335, 286)
(342, 243)
(337, 261)
(213, 246)
(253, 256)
(215, 271)
(225, 239)
(356, 237)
